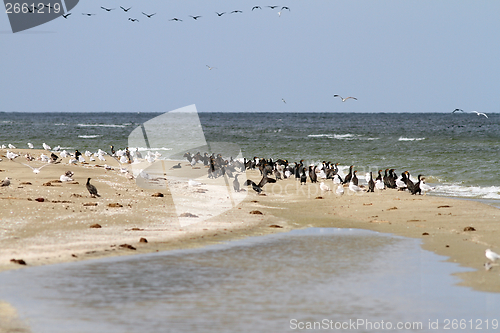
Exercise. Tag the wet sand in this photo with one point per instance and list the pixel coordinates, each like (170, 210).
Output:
(59, 228)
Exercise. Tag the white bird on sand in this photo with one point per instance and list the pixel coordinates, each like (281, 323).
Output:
(44, 158)
(81, 159)
(66, 177)
(345, 99)
(324, 187)
(46, 146)
(11, 156)
(193, 183)
(379, 185)
(88, 153)
(30, 145)
(340, 190)
(35, 170)
(101, 157)
(64, 154)
(491, 255)
(91, 159)
(354, 188)
(57, 148)
(336, 179)
(5, 182)
(424, 187)
(480, 114)
(11, 146)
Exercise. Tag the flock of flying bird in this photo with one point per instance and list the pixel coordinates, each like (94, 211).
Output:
(477, 113)
(194, 17)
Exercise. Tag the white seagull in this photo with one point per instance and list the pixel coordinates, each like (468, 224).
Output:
(324, 187)
(491, 255)
(46, 146)
(210, 68)
(5, 182)
(11, 146)
(340, 190)
(30, 145)
(480, 114)
(345, 99)
(354, 188)
(35, 170)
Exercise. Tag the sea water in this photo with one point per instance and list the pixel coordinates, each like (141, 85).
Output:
(458, 153)
(274, 283)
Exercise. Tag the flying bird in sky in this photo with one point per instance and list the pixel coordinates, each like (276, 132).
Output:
(457, 110)
(272, 7)
(256, 7)
(210, 68)
(236, 11)
(88, 14)
(126, 10)
(195, 17)
(133, 19)
(175, 19)
(480, 114)
(66, 15)
(345, 99)
(220, 14)
(149, 15)
(107, 9)
(285, 7)
(283, 100)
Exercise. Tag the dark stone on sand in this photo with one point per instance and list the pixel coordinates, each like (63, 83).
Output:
(136, 229)
(187, 215)
(76, 195)
(56, 181)
(127, 246)
(444, 206)
(90, 204)
(40, 199)
(97, 226)
(143, 240)
(117, 205)
(61, 201)
(157, 195)
(275, 226)
(258, 212)
(18, 261)
(425, 234)
(469, 229)
(25, 183)
(47, 184)
(318, 198)
(74, 256)
(254, 201)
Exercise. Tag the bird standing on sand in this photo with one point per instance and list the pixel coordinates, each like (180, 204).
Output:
(178, 166)
(345, 99)
(324, 187)
(236, 184)
(92, 189)
(491, 255)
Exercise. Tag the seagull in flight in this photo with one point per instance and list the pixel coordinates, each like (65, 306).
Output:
(66, 15)
(220, 14)
(133, 19)
(285, 7)
(195, 17)
(457, 110)
(88, 14)
(175, 19)
(107, 9)
(236, 11)
(210, 68)
(256, 7)
(126, 10)
(480, 114)
(345, 99)
(149, 15)
(272, 7)
(35, 170)
(283, 100)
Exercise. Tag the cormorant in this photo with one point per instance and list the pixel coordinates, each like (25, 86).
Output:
(92, 189)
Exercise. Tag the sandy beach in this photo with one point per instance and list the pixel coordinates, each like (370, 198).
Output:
(63, 226)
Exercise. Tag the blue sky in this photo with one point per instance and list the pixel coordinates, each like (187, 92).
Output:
(394, 56)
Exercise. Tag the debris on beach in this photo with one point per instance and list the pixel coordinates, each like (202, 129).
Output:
(187, 215)
(90, 204)
(143, 240)
(115, 205)
(128, 246)
(258, 212)
(469, 229)
(275, 226)
(96, 226)
(157, 195)
(18, 261)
